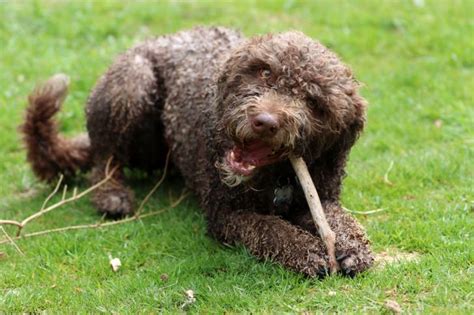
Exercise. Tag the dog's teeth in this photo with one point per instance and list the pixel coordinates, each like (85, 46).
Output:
(251, 167)
(232, 155)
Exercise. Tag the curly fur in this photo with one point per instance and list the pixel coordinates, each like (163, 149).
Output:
(48, 152)
(197, 93)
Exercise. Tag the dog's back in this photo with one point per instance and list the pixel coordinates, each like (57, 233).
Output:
(190, 70)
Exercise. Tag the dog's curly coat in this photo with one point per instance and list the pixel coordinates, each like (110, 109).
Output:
(230, 110)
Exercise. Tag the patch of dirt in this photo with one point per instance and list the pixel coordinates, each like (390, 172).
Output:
(394, 256)
(392, 306)
(27, 193)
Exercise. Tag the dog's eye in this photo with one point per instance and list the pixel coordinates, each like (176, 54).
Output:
(265, 73)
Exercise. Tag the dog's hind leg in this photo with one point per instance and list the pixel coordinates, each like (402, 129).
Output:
(124, 106)
(112, 198)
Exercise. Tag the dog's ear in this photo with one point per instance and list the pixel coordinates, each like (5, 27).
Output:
(227, 70)
(328, 170)
(222, 77)
(352, 125)
(221, 83)
(337, 105)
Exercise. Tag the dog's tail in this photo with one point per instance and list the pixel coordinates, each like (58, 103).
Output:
(48, 152)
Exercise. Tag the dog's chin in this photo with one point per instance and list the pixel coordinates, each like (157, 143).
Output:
(242, 161)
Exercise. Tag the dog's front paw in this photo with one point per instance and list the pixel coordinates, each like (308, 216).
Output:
(355, 262)
(316, 265)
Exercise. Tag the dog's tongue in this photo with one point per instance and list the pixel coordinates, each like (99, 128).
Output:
(256, 152)
(244, 159)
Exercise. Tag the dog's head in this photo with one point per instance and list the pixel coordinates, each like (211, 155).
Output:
(279, 94)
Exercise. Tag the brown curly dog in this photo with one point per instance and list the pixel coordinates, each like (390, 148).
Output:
(229, 110)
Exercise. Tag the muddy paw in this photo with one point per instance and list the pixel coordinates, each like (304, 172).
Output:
(315, 266)
(353, 264)
(114, 203)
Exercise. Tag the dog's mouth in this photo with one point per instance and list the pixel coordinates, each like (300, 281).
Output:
(244, 159)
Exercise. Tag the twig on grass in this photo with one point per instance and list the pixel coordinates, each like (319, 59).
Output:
(158, 184)
(183, 196)
(385, 177)
(100, 224)
(109, 173)
(9, 239)
(364, 212)
(10, 222)
(55, 190)
(64, 200)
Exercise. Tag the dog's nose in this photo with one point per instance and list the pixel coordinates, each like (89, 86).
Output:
(265, 124)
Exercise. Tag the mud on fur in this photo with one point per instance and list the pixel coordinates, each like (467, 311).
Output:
(214, 98)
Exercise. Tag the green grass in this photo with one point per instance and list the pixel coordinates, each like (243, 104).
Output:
(417, 65)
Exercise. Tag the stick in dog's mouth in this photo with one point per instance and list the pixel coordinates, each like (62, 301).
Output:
(316, 209)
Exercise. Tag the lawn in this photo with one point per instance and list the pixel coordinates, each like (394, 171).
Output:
(414, 161)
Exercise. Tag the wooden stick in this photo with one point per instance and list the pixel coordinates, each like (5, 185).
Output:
(64, 200)
(12, 241)
(158, 184)
(316, 209)
(108, 174)
(10, 222)
(99, 224)
(364, 212)
(385, 177)
(51, 195)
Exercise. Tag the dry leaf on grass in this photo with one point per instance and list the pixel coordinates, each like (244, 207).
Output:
(164, 277)
(190, 299)
(115, 263)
